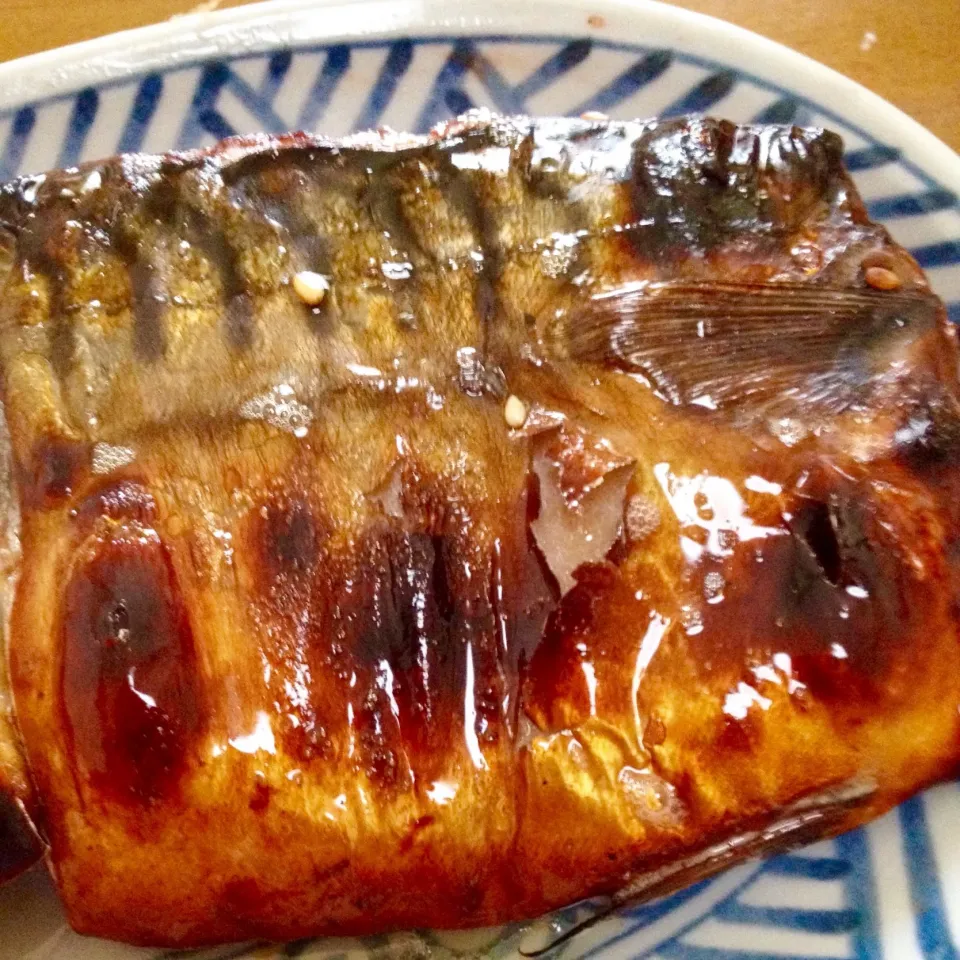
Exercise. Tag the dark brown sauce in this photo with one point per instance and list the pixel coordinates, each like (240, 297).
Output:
(833, 592)
(260, 798)
(409, 638)
(56, 468)
(128, 674)
(698, 184)
(290, 540)
(556, 693)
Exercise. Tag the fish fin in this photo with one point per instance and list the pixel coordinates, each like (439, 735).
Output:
(774, 346)
(808, 819)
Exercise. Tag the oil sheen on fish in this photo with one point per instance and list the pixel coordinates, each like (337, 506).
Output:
(431, 532)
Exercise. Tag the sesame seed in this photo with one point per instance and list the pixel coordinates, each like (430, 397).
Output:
(882, 279)
(594, 115)
(515, 412)
(311, 287)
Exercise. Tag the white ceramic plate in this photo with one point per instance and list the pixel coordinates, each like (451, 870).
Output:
(889, 891)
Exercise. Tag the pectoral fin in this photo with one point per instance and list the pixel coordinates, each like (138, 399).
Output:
(731, 346)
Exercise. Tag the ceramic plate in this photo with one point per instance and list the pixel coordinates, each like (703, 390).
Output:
(891, 890)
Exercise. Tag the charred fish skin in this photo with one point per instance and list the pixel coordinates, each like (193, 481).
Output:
(590, 519)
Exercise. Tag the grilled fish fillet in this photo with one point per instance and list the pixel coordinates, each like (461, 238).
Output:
(431, 532)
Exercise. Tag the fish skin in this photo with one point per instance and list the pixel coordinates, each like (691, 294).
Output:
(287, 637)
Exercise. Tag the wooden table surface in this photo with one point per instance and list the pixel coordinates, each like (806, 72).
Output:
(906, 52)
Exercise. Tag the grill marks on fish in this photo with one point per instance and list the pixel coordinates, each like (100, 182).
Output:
(41, 254)
(397, 646)
(482, 225)
(148, 296)
(194, 213)
(206, 237)
(128, 678)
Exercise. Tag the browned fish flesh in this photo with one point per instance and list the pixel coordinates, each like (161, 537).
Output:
(431, 532)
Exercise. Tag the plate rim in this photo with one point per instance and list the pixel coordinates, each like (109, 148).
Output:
(259, 27)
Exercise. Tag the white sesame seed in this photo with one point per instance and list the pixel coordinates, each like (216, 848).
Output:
(311, 287)
(515, 412)
(594, 116)
(882, 279)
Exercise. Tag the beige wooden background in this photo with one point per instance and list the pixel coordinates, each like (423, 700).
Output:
(906, 52)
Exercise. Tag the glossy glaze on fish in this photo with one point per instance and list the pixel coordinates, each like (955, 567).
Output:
(594, 526)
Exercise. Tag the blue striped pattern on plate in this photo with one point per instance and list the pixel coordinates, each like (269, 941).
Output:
(891, 890)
